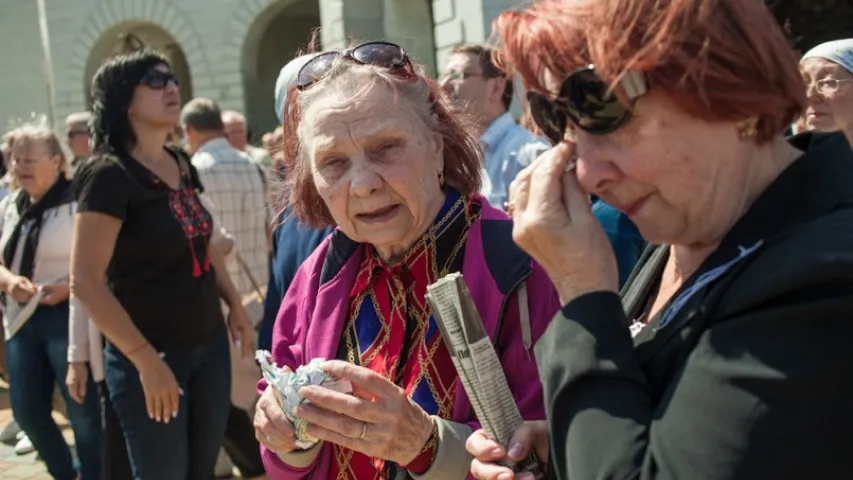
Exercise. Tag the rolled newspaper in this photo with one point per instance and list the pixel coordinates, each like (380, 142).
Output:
(478, 364)
(286, 385)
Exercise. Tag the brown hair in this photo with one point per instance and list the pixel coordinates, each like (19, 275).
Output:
(461, 152)
(721, 60)
(485, 54)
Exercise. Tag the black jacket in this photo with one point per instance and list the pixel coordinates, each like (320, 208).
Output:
(750, 375)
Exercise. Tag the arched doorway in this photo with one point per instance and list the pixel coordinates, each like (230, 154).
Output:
(113, 42)
(274, 38)
(409, 23)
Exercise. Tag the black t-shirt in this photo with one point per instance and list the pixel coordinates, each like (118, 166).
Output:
(160, 270)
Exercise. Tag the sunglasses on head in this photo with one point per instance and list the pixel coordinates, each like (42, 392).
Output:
(585, 100)
(158, 80)
(382, 54)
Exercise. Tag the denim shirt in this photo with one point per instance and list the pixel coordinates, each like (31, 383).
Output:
(624, 237)
(508, 148)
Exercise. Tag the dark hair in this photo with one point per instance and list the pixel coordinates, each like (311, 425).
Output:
(485, 53)
(112, 92)
(202, 114)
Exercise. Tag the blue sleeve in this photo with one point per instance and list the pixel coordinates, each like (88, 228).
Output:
(624, 237)
(275, 292)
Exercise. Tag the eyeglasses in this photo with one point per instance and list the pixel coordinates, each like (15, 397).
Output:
(586, 100)
(382, 54)
(158, 80)
(830, 85)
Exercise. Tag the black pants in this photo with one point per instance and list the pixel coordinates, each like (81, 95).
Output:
(116, 465)
(240, 443)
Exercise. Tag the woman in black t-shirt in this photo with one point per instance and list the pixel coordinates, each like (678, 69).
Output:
(143, 266)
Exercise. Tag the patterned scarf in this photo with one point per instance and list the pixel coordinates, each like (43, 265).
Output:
(392, 331)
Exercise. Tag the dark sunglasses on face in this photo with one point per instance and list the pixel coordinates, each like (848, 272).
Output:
(382, 54)
(586, 101)
(158, 80)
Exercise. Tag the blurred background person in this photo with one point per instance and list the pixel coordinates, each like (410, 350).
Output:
(237, 190)
(828, 71)
(78, 137)
(237, 133)
(292, 241)
(479, 90)
(35, 226)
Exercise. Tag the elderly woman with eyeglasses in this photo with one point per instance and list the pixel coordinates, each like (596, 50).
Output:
(370, 147)
(728, 354)
(828, 71)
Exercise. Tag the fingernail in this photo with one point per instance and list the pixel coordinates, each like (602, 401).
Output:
(181, 391)
(175, 414)
(505, 476)
(515, 450)
(497, 452)
(150, 416)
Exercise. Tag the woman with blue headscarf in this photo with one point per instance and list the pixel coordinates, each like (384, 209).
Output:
(828, 72)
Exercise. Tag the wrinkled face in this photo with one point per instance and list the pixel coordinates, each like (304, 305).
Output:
(155, 106)
(829, 89)
(375, 165)
(466, 87)
(35, 169)
(236, 133)
(675, 175)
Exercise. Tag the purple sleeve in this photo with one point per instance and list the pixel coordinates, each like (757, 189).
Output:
(287, 350)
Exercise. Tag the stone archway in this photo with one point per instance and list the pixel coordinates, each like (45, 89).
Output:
(277, 33)
(111, 14)
(152, 36)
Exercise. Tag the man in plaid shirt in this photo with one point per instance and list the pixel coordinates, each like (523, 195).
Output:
(237, 192)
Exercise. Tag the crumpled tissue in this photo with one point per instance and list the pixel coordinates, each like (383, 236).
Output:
(287, 384)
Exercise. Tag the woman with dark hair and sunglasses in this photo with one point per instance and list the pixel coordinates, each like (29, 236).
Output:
(371, 147)
(728, 354)
(143, 266)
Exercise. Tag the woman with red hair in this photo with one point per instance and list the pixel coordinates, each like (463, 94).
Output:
(727, 355)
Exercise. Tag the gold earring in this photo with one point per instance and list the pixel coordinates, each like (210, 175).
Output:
(748, 128)
(441, 179)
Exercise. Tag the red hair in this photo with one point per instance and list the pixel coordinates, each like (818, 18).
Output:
(721, 60)
(461, 149)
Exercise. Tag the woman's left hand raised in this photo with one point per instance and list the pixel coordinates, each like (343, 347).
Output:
(379, 420)
(553, 223)
(241, 331)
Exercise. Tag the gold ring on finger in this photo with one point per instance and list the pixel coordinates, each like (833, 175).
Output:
(509, 208)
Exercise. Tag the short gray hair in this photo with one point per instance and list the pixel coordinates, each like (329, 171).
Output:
(202, 114)
(78, 122)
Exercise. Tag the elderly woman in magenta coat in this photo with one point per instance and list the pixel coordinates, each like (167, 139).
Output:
(376, 153)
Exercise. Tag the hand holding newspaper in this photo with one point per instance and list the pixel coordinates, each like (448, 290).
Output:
(478, 365)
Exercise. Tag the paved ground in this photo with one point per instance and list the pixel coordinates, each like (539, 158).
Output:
(19, 467)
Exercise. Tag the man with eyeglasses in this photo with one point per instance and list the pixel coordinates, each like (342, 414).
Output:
(478, 89)
(78, 137)
(475, 86)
